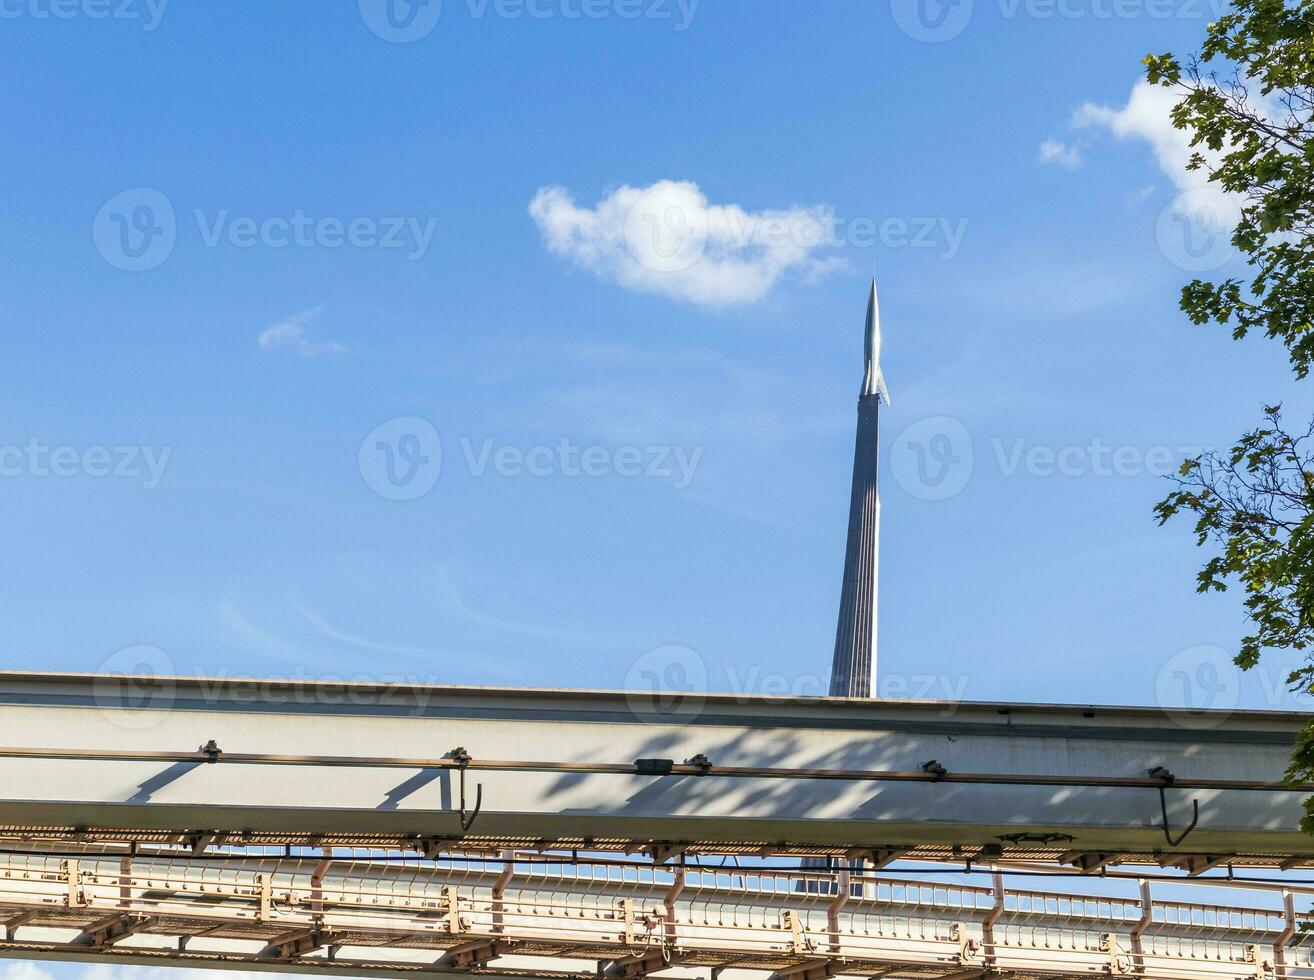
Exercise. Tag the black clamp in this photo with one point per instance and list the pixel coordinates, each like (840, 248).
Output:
(462, 759)
(211, 751)
(935, 769)
(654, 767)
(702, 763)
(1167, 779)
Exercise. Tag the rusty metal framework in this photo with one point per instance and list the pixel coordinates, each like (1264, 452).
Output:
(365, 911)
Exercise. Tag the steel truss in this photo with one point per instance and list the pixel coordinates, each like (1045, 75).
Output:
(531, 914)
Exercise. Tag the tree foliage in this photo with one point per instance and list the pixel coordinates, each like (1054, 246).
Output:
(1248, 105)
(1256, 503)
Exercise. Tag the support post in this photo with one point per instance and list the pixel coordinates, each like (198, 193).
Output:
(988, 924)
(1138, 930)
(499, 889)
(1284, 938)
(670, 925)
(75, 898)
(317, 884)
(833, 910)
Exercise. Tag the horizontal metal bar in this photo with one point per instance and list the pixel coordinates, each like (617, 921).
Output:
(678, 769)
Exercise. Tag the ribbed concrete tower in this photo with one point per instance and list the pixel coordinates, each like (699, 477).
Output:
(853, 673)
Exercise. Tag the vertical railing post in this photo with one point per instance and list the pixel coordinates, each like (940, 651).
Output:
(499, 889)
(670, 929)
(836, 905)
(452, 902)
(74, 898)
(1284, 938)
(317, 884)
(1138, 930)
(988, 924)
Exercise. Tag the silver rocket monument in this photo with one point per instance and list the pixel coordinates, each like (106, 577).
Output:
(853, 672)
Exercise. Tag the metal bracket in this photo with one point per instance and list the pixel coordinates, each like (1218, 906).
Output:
(471, 956)
(294, 945)
(107, 932)
(462, 759)
(1167, 779)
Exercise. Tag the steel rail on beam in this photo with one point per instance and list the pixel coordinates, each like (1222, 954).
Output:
(358, 915)
(211, 755)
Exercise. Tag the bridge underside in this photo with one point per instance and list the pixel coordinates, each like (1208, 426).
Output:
(361, 913)
(369, 829)
(164, 760)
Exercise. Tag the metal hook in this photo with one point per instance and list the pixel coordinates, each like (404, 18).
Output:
(1195, 819)
(462, 758)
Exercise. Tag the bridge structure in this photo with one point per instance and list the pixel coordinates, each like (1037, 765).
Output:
(360, 829)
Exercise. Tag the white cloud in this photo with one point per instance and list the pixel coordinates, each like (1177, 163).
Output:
(1147, 117)
(26, 970)
(1068, 157)
(669, 239)
(294, 332)
(23, 970)
(1194, 230)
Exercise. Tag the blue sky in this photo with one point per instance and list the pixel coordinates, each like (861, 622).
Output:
(997, 172)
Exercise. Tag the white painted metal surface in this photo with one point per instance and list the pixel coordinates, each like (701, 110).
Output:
(410, 799)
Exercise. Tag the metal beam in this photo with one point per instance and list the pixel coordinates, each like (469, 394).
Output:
(273, 778)
(474, 955)
(1090, 862)
(112, 929)
(298, 943)
(811, 970)
(635, 967)
(1195, 864)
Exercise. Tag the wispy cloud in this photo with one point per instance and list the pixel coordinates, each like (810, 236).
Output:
(669, 239)
(1147, 116)
(22, 970)
(1061, 154)
(293, 333)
